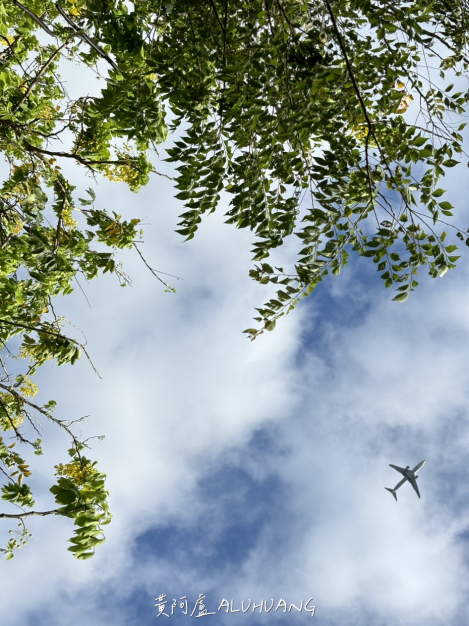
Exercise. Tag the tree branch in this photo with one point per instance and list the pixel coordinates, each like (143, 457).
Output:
(160, 174)
(47, 414)
(38, 76)
(359, 96)
(21, 515)
(40, 513)
(85, 37)
(349, 68)
(34, 16)
(48, 332)
(154, 272)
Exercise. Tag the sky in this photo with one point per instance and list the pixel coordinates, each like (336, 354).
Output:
(255, 471)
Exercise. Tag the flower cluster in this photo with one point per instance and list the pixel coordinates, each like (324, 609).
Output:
(127, 170)
(8, 419)
(68, 220)
(76, 471)
(28, 388)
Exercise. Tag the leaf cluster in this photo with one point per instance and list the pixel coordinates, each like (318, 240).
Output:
(318, 119)
(82, 497)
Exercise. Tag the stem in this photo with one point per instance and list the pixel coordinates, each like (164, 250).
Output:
(48, 332)
(40, 513)
(38, 76)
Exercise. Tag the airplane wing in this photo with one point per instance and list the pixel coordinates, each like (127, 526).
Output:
(399, 469)
(413, 482)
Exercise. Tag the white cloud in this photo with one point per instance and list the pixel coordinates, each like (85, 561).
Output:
(181, 385)
(394, 390)
(184, 392)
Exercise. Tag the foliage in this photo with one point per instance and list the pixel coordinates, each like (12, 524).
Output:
(80, 492)
(43, 248)
(333, 120)
(305, 117)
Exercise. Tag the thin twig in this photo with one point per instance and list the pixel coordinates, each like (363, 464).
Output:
(43, 330)
(154, 272)
(160, 174)
(47, 414)
(38, 76)
(40, 513)
(12, 423)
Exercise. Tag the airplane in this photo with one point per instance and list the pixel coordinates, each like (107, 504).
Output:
(409, 475)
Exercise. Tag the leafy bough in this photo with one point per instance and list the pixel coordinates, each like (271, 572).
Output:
(318, 118)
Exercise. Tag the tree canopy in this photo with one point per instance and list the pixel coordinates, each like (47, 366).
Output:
(333, 120)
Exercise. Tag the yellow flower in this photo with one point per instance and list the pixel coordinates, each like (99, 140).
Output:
(6, 40)
(76, 471)
(8, 419)
(18, 227)
(68, 220)
(28, 388)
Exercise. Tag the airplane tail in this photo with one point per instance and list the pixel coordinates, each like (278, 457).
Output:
(393, 492)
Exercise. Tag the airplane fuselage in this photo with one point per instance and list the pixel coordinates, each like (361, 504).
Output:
(409, 475)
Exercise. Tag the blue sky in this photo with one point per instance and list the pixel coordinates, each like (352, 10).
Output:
(257, 470)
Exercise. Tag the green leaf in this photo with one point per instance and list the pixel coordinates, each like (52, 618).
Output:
(84, 555)
(78, 549)
(65, 497)
(446, 206)
(401, 297)
(92, 195)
